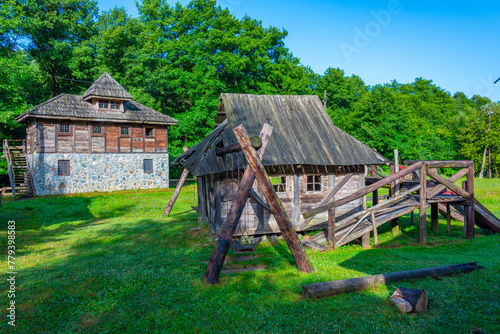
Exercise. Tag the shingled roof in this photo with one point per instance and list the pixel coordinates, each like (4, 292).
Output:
(106, 86)
(76, 107)
(303, 134)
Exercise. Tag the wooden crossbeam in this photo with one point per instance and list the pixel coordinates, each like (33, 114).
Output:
(364, 191)
(274, 202)
(212, 273)
(332, 193)
(443, 163)
(447, 183)
(177, 190)
(454, 178)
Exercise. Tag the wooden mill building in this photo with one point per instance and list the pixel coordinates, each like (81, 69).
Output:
(306, 157)
(99, 141)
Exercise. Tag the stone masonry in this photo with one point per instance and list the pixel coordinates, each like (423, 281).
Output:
(97, 172)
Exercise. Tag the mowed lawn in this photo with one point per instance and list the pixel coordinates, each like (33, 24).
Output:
(110, 263)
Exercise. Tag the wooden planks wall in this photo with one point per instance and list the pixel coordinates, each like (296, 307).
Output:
(111, 138)
(82, 137)
(137, 139)
(46, 137)
(161, 140)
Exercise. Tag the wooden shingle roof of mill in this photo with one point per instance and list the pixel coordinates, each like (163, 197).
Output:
(303, 134)
(107, 87)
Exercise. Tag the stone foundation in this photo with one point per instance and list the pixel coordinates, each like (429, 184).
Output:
(97, 172)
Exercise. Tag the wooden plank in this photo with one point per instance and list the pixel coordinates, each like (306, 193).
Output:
(332, 288)
(448, 219)
(256, 142)
(177, 190)
(274, 202)
(374, 227)
(149, 144)
(447, 183)
(296, 197)
(364, 191)
(470, 207)
(423, 206)
(327, 198)
(442, 164)
(111, 138)
(212, 273)
(454, 178)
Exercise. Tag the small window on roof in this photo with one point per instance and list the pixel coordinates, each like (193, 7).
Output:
(114, 105)
(103, 104)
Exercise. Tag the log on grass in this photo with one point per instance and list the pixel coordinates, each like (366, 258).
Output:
(323, 289)
(410, 300)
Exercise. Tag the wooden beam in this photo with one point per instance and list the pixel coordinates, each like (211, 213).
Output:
(212, 273)
(327, 198)
(375, 232)
(448, 218)
(434, 217)
(331, 229)
(274, 202)
(423, 206)
(177, 190)
(393, 192)
(256, 142)
(443, 163)
(363, 192)
(454, 178)
(470, 207)
(324, 289)
(448, 184)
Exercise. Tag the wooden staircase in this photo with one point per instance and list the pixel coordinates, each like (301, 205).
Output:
(21, 181)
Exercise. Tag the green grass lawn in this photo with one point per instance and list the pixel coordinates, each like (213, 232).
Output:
(110, 263)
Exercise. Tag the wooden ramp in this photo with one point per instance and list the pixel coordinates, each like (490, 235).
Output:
(353, 228)
(483, 217)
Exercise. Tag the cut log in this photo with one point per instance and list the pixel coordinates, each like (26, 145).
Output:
(323, 289)
(410, 300)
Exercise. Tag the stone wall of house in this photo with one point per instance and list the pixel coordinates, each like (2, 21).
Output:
(97, 172)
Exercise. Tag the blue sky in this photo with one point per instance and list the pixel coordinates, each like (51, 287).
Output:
(454, 43)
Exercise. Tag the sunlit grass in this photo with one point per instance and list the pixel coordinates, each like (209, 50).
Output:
(109, 262)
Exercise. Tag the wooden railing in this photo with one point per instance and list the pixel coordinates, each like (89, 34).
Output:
(10, 169)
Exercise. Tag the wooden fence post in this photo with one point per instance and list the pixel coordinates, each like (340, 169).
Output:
(470, 208)
(394, 190)
(434, 217)
(423, 205)
(274, 202)
(331, 229)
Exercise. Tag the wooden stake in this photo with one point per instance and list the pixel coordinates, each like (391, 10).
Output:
(394, 192)
(212, 273)
(434, 217)
(423, 205)
(448, 218)
(177, 190)
(470, 212)
(274, 202)
(375, 232)
(331, 229)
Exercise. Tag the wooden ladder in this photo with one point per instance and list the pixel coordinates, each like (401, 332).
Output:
(21, 181)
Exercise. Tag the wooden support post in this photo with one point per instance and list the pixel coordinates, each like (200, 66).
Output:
(466, 207)
(375, 232)
(434, 217)
(256, 142)
(331, 229)
(365, 240)
(448, 218)
(274, 202)
(375, 197)
(177, 190)
(412, 218)
(393, 192)
(470, 211)
(423, 205)
(212, 273)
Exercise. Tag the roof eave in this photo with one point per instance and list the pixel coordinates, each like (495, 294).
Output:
(111, 120)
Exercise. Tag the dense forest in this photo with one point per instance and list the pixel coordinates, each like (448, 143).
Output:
(178, 59)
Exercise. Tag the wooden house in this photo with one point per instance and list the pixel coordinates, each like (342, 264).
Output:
(306, 158)
(99, 141)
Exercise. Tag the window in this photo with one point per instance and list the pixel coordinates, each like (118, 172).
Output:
(148, 165)
(313, 183)
(63, 167)
(124, 131)
(64, 128)
(114, 105)
(103, 104)
(279, 183)
(150, 132)
(96, 130)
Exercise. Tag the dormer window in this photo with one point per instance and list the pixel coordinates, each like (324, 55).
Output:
(114, 105)
(103, 104)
